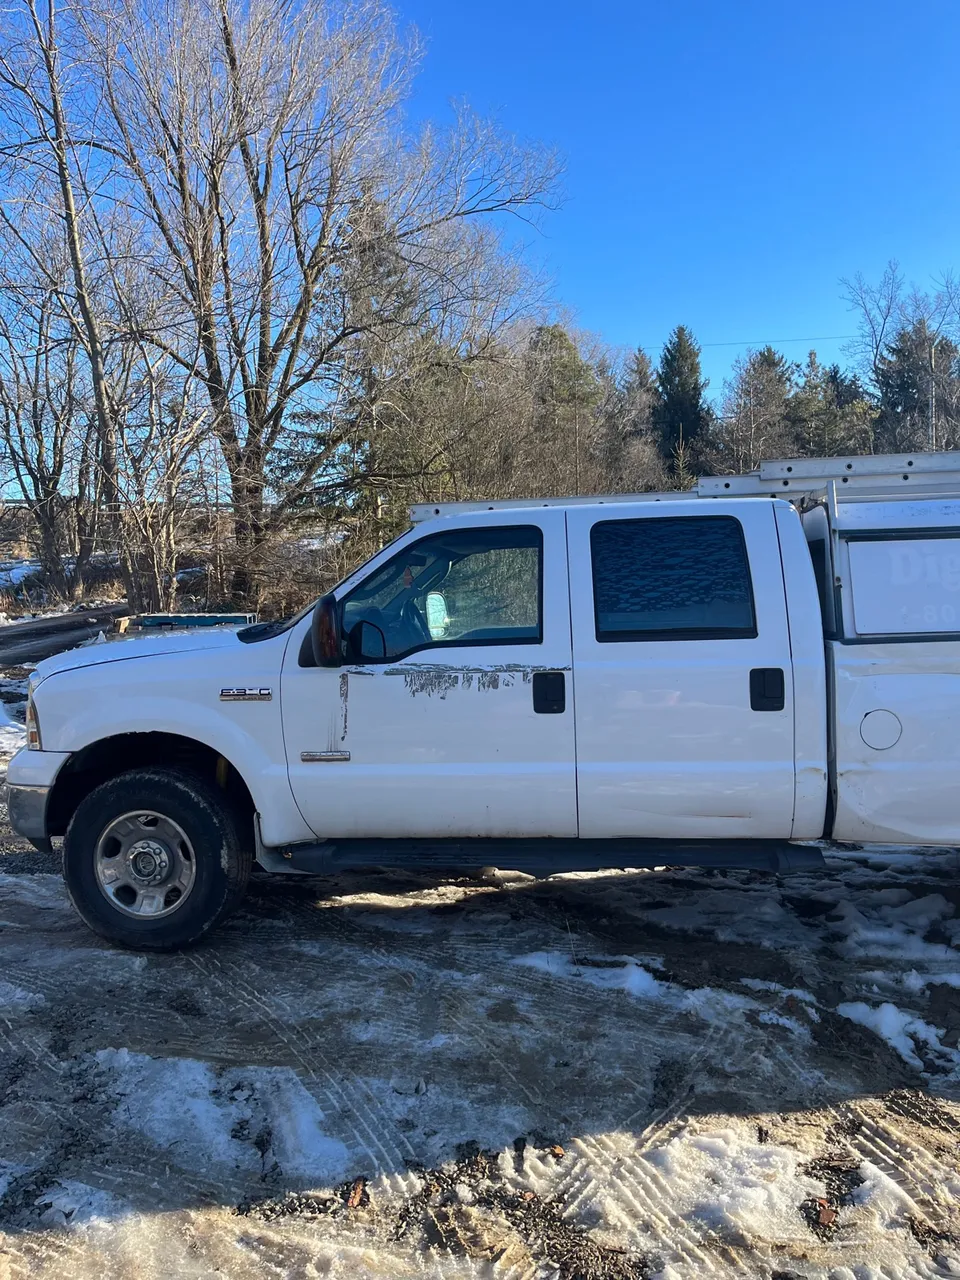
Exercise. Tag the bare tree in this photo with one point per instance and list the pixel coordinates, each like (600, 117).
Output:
(264, 148)
(50, 190)
(165, 424)
(881, 314)
(47, 434)
(907, 350)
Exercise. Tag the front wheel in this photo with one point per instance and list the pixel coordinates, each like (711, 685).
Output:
(153, 859)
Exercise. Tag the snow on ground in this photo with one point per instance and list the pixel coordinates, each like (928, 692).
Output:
(666, 1074)
(201, 1116)
(12, 734)
(904, 1032)
(14, 572)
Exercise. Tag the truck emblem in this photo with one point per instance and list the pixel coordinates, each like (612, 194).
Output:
(246, 695)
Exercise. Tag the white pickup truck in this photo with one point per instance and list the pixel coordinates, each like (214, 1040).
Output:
(708, 678)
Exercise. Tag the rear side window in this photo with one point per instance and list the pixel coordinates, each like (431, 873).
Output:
(906, 585)
(671, 579)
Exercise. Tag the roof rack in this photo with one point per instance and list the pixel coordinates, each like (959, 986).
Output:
(430, 510)
(857, 478)
(865, 476)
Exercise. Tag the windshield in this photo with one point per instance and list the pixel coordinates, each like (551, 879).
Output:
(267, 630)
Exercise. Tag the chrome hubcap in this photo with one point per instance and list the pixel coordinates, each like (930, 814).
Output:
(145, 864)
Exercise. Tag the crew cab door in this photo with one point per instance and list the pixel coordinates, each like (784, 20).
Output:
(684, 691)
(453, 716)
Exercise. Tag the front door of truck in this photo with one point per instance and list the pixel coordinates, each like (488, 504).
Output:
(684, 689)
(453, 716)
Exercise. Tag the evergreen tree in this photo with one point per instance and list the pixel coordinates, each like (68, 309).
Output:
(830, 412)
(755, 423)
(680, 412)
(639, 395)
(566, 393)
(627, 448)
(844, 389)
(918, 377)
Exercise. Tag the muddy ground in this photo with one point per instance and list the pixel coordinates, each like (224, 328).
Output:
(595, 1077)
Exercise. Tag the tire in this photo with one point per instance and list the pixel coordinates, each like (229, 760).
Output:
(153, 859)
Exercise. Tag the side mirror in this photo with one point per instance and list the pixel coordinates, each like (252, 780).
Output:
(325, 632)
(437, 620)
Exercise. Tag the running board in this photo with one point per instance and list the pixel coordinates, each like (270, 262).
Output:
(540, 857)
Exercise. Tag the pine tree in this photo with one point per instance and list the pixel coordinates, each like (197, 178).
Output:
(629, 461)
(680, 411)
(918, 377)
(566, 393)
(830, 412)
(755, 420)
(639, 395)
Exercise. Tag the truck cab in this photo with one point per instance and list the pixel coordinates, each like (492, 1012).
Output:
(717, 677)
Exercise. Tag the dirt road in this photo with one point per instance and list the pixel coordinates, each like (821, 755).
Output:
(671, 1074)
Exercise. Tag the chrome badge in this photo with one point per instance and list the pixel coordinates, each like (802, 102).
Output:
(246, 695)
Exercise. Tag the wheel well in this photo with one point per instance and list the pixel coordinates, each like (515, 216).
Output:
(102, 760)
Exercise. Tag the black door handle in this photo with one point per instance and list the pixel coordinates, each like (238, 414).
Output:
(767, 689)
(549, 693)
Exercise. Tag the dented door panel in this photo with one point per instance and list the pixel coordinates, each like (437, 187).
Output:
(897, 746)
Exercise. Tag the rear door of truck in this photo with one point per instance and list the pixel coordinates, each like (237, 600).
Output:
(683, 687)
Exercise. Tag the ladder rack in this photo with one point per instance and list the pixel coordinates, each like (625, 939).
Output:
(868, 477)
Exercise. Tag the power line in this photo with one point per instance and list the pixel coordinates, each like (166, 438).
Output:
(828, 337)
(769, 342)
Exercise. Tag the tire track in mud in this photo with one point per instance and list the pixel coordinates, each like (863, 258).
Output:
(385, 1153)
(642, 1193)
(510, 977)
(604, 1167)
(471, 1033)
(252, 1005)
(916, 1170)
(609, 1171)
(560, 994)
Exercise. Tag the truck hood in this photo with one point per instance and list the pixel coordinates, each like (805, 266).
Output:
(93, 655)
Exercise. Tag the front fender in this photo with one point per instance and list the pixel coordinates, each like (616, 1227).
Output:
(76, 711)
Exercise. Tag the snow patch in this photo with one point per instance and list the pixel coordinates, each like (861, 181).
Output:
(14, 999)
(40, 890)
(730, 1182)
(12, 734)
(75, 1205)
(298, 1141)
(901, 1030)
(707, 1003)
(913, 982)
(882, 924)
(14, 572)
(246, 1117)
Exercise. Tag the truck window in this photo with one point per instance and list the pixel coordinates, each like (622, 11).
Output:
(905, 585)
(684, 578)
(462, 587)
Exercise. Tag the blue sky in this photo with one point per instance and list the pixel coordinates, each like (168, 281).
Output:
(726, 162)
